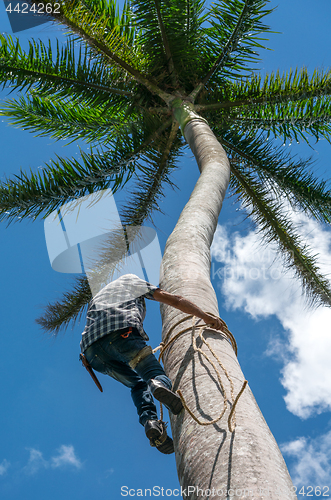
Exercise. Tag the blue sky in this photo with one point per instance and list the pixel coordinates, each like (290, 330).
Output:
(60, 437)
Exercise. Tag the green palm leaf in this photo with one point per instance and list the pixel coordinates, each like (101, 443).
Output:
(290, 121)
(291, 106)
(41, 192)
(275, 226)
(274, 88)
(285, 175)
(74, 119)
(68, 309)
(232, 39)
(171, 34)
(63, 71)
(111, 45)
(103, 28)
(120, 22)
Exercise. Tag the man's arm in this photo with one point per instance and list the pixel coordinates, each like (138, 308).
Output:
(186, 306)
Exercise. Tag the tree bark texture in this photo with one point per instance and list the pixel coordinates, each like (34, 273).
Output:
(246, 463)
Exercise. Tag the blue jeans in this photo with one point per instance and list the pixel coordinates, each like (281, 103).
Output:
(111, 355)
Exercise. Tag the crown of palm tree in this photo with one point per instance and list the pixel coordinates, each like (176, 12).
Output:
(125, 83)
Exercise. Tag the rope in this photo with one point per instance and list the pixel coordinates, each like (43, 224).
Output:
(164, 345)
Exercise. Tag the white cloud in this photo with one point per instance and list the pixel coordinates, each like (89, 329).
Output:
(35, 463)
(311, 460)
(109, 472)
(4, 467)
(251, 277)
(66, 456)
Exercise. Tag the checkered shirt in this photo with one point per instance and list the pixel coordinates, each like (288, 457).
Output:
(118, 305)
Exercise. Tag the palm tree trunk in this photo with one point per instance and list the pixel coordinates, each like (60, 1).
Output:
(246, 463)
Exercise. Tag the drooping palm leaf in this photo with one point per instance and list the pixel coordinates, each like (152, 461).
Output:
(43, 191)
(67, 310)
(269, 215)
(74, 119)
(285, 175)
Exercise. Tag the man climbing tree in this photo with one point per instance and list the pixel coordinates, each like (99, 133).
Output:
(114, 343)
(139, 87)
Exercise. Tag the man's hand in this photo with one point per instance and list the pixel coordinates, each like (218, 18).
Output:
(213, 321)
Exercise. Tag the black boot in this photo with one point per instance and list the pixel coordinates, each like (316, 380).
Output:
(157, 434)
(166, 396)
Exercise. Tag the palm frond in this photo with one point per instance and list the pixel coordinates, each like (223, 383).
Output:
(289, 122)
(111, 45)
(71, 118)
(41, 192)
(274, 88)
(286, 176)
(61, 71)
(232, 39)
(121, 22)
(272, 222)
(171, 33)
(69, 309)
(291, 106)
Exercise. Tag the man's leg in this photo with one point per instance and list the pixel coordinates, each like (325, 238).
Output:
(149, 368)
(140, 393)
(159, 384)
(104, 358)
(133, 349)
(115, 352)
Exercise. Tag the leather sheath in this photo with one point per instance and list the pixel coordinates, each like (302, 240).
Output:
(91, 372)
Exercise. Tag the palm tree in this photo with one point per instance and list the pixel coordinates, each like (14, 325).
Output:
(137, 86)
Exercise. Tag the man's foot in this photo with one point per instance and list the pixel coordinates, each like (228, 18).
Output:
(157, 434)
(166, 396)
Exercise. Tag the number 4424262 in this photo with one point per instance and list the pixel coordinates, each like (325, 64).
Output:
(35, 8)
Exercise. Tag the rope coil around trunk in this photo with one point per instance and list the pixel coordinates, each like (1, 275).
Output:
(164, 345)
